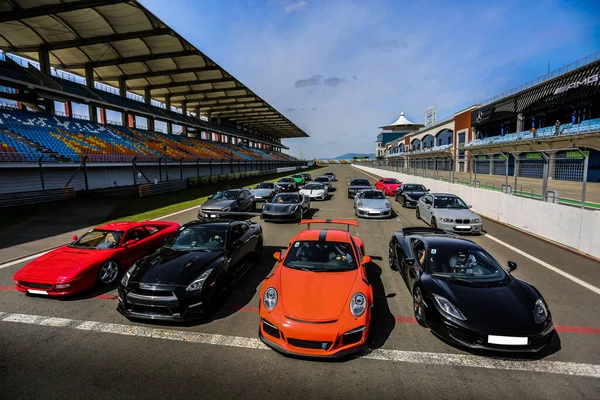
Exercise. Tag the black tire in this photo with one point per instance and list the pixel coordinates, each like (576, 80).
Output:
(418, 213)
(108, 273)
(419, 306)
(433, 223)
(403, 202)
(391, 263)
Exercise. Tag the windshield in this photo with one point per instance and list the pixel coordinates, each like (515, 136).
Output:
(285, 180)
(391, 181)
(451, 261)
(321, 256)
(328, 173)
(372, 194)
(449, 202)
(419, 188)
(322, 179)
(266, 185)
(99, 239)
(226, 195)
(198, 238)
(286, 198)
(359, 182)
(314, 186)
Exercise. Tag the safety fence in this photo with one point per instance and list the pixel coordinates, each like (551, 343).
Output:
(38, 196)
(558, 176)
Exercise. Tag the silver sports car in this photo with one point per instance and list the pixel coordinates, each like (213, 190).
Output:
(372, 203)
(448, 212)
(265, 191)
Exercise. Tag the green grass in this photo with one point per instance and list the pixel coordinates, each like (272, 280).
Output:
(139, 209)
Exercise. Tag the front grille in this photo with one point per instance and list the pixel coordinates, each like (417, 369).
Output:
(310, 344)
(311, 322)
(270, 329)
(153, 293)
(352, 338)
(34, 285)
(462, 221)
(152, 311)
(464, 335)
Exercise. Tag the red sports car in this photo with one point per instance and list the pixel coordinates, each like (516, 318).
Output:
(388, 185)
(96, 258)
(317, 302)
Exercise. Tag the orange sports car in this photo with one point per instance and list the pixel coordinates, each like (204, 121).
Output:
(317, 302)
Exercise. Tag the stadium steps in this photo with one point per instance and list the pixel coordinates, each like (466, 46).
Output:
(41, 149)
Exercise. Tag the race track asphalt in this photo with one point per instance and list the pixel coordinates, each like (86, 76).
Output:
(82, 348)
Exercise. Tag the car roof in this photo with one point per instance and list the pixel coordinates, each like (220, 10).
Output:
(327, 235)
(223, 222)
(436, 237)
(443, 194)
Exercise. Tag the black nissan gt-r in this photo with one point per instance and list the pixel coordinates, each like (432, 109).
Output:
(463, 295)
(190, 275)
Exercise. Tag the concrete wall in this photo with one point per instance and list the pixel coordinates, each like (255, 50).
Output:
(574, 227)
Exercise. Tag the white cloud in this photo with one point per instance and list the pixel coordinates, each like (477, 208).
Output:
(292, 7)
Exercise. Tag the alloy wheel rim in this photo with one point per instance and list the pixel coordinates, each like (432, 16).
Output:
(417, 304)
(108, 272)
(390, 256)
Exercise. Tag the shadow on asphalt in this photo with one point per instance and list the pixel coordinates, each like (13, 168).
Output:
(382, 319)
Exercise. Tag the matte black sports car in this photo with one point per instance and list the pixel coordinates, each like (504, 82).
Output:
(463, 295)
(191, 274)
(287, 185)
(286, 207)
(408, 194)
(221, 203)
(356, 185)
(331, 176)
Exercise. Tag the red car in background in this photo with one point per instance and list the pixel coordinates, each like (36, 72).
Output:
(388, 185)
(96, 258)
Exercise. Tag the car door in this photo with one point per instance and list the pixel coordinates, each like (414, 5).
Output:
(240, 254)
(136, 244)
(427, 208)
(413, 274)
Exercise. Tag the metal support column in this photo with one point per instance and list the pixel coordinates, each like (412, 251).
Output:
(545, 177)
(41, 172)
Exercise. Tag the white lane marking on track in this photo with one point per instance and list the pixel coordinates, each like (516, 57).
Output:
(20, 260)
(175, 213)
(400, 356)
(538, 261)
(545, 264)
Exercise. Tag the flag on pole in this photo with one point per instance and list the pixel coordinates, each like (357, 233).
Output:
(533, 122)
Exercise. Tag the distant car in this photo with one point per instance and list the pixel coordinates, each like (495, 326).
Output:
(264, 191)
(307, 177)
(96, 258)
(356, 185)
(325, 181)
(287, 185)
(372, 203)
(286, 207)
(408, 194)
(448, 212)
(190, 275)
(298, 178)
(316, 191)
(331, 176)
(227, 201)
(317, 301)
(388, 185)
(463, 295)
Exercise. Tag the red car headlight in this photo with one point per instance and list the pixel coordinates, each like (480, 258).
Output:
(62, 285)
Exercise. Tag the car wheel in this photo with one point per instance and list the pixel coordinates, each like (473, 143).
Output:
(108, 272)
(418, 213)
(433, 223)
(403, 202)
(419, 306)
(391, 263)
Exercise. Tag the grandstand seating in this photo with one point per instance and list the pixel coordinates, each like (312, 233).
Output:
(16, 72)
(549, 131)
(72, 139)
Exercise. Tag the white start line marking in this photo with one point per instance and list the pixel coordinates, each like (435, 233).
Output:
(398, 356)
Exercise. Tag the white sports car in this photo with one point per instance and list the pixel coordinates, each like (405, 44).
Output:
(315, 191)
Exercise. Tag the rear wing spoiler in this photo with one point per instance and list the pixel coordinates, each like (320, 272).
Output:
(417, 230)
(348, 222)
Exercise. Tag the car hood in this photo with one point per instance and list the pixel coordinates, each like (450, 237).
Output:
(61, 263)
(281, 208)
(378, 204)
(310, 191)
(392, 185)
(495, 307)
(262, 192)
(454, 214)
(217, 204)
(315, 296)
(328, 183)
(359, 187)
(415, 193)
(173, 267)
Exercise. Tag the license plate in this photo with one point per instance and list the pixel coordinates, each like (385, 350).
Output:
(213, 216)
(33, 291)
(463, 226)
(508, 340)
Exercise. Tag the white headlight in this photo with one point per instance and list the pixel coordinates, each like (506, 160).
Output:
(125, 279)
(360, 204)
(540, 311)
(445, 307)
(270, 300)
(446, 220)
(476, 220)
(387, 204)
(197, 285)
(358, 304)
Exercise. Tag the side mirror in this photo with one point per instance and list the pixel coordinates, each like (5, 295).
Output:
(512, 266)
(366, 260)
(129, 243)
(428, 190)
(277, 255)
(74, 238)
(470, 206)
(237, 243)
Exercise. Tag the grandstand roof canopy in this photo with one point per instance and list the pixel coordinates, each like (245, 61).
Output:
(121, 38)
(401, 122)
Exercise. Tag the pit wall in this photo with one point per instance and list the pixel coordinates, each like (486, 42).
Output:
(570, 226)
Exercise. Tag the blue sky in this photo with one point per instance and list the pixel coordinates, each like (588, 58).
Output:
(340, 69)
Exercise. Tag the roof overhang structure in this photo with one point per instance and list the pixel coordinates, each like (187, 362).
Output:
(402, 123)
(123, 41)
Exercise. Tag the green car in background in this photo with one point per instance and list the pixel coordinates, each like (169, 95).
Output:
(298, 178)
